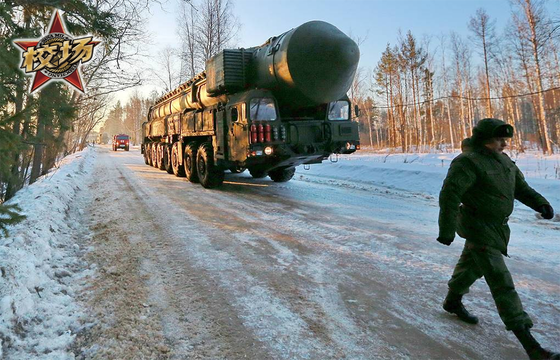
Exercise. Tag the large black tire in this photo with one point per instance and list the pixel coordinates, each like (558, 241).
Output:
(282, 174)
(257, 173)
(189, 162)
(146, 157)
(160, 155)
(154, 156)
(209, 174)
(149, 154)
(177, 167)
(167, 158)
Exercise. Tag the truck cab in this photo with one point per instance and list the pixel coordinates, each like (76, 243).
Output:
(259, 137)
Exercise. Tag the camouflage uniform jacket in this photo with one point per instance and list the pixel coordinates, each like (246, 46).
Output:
(477, 198)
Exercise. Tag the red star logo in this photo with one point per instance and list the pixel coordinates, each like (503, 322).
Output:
(40, 79)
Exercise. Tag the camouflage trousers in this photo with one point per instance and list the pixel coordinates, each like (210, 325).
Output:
(477, 261)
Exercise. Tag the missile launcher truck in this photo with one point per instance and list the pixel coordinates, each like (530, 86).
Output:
(267, 109)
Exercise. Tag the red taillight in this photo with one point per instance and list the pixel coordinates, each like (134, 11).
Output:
(261, 132)
(253, 134)
(267, 133)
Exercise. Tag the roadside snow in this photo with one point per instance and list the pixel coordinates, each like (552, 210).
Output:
(40, 266)
(423, 174)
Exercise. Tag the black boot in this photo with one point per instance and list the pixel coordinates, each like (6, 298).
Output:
(532, 346)
(452, 304)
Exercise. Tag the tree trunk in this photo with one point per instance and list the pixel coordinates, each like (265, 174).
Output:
(38, 149)
(546, 145)
(489, 112)
(14, 183)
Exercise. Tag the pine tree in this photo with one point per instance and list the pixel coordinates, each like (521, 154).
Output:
(9, 215)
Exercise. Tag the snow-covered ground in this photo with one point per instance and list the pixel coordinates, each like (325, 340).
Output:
(43, 268)
(424, 173)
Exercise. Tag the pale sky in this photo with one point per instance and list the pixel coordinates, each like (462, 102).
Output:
(376, 21)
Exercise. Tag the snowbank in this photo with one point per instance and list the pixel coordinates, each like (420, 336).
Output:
(424, 173)
(40, 267)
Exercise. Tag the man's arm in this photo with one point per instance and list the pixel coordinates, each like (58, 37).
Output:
(526, 194)
(460, 177)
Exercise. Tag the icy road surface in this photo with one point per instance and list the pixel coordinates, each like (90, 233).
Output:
(309, 269)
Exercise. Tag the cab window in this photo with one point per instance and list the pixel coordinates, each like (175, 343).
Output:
(262, 109)
(339, 110)
(237, 113)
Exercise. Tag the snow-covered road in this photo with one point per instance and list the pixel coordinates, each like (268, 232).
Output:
(321, 267)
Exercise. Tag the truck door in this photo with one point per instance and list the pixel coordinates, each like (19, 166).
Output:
(238, 133)
(221, 134)
(342, 129)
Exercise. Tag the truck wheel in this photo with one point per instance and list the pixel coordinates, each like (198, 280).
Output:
(167, 159)
(146, 157)
(189, 162)
(154, 155)
(126, 148)
(160, 155)
(155, 151)
(282, 174)
(209, 174)
(257, 173)
(178, 169)
(148, 153)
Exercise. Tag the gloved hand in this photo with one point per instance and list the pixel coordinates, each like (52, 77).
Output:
(546, 211)
(445, 241)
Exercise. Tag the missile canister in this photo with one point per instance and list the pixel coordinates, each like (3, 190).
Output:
(312, 64)
(309, 65)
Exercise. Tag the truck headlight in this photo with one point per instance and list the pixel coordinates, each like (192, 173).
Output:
(268, 150)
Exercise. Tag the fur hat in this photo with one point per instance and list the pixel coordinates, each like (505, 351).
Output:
(489, 128)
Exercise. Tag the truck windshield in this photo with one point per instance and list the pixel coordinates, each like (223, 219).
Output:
(339, 110)
(122, 137)
(262, 109)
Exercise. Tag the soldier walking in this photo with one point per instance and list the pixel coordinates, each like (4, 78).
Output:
(475, 202)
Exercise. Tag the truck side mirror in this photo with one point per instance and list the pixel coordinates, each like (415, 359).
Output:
(356, 110)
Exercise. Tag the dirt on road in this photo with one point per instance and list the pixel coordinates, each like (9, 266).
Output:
(275, 271)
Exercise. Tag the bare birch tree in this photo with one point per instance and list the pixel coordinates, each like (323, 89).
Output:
(168, 69)
(445, 78)
(206, 28)
(533, 27)
(190, 63)
(459, 55)
(483, 29)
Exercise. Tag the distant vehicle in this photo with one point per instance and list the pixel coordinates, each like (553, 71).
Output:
(121, 141)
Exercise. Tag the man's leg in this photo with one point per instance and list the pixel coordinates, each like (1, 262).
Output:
(491, 263)
(499, 279)
(465, 274)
